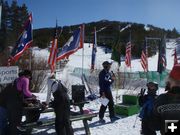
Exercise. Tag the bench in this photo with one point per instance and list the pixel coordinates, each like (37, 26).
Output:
(33, 113)
(50, 122)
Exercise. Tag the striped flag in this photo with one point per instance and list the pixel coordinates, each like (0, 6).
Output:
(53, 51)
(24, 41)
(175, 57)
(128, 55)
(81, 44)
(162, 56)
(144, 59)
(94, 50)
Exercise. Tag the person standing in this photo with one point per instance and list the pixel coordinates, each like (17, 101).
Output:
(166, 106)
(3, 114)
(105, 81)
(15, 99)
(146, 103)
(61, 105)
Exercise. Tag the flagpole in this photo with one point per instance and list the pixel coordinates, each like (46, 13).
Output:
(56, 46)
(30, 58)
(131, 49)
(130, 58)
(147, 60)
(118, 69)
(30, 50)
(82, 49)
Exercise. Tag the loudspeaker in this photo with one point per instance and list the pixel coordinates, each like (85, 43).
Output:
(78, 93)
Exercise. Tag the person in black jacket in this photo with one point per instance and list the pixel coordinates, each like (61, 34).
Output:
(3, 114)
(105, 80)
(166, 106)
(61, 105)
(12, 101)
(146, 103)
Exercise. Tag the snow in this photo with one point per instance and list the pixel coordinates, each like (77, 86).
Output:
(75, 60)
(124, 125)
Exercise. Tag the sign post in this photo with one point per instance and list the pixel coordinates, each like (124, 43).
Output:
(8, 74)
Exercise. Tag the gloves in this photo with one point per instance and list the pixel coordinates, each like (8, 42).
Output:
(51, 104)
(142, 92)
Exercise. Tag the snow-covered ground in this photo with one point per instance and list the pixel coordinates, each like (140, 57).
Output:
(123, 126)
(75, 60)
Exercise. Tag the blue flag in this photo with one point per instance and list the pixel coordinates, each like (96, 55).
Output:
(24, 41)
(71, 46)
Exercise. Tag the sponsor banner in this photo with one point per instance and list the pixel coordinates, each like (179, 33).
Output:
(8, 74)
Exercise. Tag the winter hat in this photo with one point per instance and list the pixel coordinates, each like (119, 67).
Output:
(106, 63)
(152, 83)
(27, 73)
(175, 72)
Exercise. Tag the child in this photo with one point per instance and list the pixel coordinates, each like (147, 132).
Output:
(146, 102)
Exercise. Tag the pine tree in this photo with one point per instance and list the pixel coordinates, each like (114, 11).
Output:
(4, 24)
(16, 25)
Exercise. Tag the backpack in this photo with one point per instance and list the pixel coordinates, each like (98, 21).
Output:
(147, 108)
(60, 94)
(8, 93)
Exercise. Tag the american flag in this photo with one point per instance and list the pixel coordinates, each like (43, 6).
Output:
(94, 50)
(81, 44)
(24, 41)
(175, 57)
(53, 51)
(144, 58)
(128, 55)
(162, 56)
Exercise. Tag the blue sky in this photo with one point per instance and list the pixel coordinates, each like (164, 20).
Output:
(161, 13)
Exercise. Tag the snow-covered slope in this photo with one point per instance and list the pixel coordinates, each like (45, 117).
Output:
(75, 60)
(123, 126)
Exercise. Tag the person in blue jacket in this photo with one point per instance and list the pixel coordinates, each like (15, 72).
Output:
(146, 102)
(106, 79)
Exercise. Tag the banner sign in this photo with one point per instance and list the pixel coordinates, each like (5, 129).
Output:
(8, 74)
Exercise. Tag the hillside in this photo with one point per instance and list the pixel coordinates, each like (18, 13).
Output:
(109, 35)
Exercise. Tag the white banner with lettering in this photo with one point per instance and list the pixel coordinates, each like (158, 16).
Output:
(8, 74)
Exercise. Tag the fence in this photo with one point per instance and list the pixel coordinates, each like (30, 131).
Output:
(127, 79)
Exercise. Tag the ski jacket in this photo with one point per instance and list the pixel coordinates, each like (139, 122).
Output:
(61, 99)
(105, 81)
(51, 87)
(2, 99)
(167, 106)
(147, 103)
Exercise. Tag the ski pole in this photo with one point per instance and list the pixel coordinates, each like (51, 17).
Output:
(135, 121)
